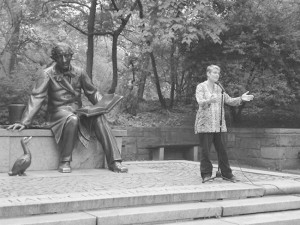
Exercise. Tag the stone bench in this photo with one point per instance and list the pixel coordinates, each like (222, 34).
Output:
(191, 151)
(45, 154)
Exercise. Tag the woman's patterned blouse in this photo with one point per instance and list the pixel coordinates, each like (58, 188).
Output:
(208, 114)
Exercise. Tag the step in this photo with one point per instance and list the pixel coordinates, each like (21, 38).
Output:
(259, 205)
(173, 212)
(147, 214)
(80, 218)
(157, 213)
(74, 202)
(291, 217)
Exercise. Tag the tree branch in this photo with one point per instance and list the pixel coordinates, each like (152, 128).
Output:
(86, 33)
(103, 33)
(76, 28)
(115, 5)
(78, 3)
(8, 7)
(140, 5)
(125, 20)
(5, 47)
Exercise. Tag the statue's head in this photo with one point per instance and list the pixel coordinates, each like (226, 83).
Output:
(62, 54)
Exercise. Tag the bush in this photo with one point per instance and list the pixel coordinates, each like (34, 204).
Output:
(16, 89)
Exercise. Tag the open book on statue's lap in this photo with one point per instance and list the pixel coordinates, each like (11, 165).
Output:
(106, 104)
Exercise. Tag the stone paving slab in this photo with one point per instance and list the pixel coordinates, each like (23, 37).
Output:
(203, 222)
(57, 219)
(156, 213)
(147, 182)
(275, 218)
(258, 205)
(275, 187)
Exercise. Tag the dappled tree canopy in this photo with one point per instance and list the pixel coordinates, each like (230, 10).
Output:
(159, 50)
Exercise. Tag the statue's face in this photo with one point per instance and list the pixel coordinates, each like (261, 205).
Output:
(63, 57)
(63, 61)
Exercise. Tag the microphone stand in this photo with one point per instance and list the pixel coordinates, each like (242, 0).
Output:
(218, 173)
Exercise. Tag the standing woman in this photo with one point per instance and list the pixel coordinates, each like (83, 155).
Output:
(210, 122)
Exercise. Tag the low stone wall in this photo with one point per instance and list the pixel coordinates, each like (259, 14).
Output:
(139, 140)
(275, 149)
(268, 148)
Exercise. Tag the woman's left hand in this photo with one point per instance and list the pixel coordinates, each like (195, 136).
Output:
(245, 97)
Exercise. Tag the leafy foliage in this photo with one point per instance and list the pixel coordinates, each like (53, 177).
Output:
(256, 44)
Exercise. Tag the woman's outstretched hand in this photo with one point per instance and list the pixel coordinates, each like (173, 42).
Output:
(245, 97)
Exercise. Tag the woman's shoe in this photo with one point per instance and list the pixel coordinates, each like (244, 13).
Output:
(206, 178)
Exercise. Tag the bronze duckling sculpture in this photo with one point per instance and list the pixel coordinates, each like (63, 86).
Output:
(23, 162)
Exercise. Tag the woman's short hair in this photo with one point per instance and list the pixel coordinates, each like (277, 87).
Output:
(212, 67)
(61, 49)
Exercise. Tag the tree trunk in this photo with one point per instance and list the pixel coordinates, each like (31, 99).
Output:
(12, 48)
(90, 47)
(114, 64)
(143, 77)
(115, 36)
(160, 96)
(172, 74)
(186, 88)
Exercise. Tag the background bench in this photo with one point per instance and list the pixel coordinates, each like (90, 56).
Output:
(190, 151)
(45, 154)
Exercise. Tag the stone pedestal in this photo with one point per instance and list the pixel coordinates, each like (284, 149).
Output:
(45, 154)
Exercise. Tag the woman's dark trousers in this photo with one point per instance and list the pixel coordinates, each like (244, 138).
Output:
(219, 141)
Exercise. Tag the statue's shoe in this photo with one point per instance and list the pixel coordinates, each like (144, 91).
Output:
(64, 167)
(117, 167)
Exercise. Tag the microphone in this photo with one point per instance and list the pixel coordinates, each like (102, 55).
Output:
(220, 85)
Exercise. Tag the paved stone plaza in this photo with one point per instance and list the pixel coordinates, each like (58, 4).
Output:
(148, 174)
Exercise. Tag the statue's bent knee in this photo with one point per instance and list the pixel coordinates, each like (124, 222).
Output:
(73, 121)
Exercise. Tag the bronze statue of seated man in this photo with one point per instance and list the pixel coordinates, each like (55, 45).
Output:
(63, 83)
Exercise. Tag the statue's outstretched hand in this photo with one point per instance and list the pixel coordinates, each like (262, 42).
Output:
(245, 97)
(16, 126)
